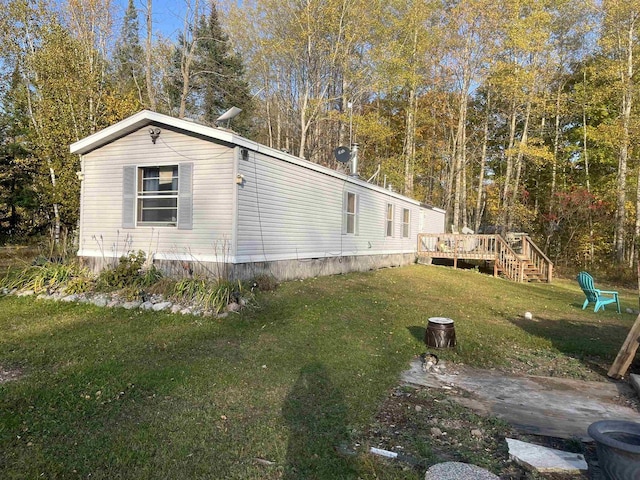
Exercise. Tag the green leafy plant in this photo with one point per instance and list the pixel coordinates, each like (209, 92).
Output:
(212, 295)
(47, 275)
(129, 272)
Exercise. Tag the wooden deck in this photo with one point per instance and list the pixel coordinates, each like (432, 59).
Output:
(518, 258)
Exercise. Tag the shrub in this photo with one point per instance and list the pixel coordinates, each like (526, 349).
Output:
(129, 272)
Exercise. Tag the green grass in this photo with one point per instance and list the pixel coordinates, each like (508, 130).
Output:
(121, 394)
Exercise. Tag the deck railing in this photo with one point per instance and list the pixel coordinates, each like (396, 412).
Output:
(516, 264)
(538, 258)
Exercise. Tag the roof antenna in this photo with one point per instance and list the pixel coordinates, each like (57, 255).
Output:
(228, 115)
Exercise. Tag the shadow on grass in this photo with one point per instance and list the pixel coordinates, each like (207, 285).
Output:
(417, 332)
(316, 415)
(591, 343)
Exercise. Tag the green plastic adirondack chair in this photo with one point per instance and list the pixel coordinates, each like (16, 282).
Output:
(599, 297)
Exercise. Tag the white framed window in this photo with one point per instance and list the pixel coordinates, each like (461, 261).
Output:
(406, 222)
(389, 222)
(350, 220)
(157, 196)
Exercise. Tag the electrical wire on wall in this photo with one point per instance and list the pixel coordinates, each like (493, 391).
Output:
(262, 243)
(221, 154)
(255, 174)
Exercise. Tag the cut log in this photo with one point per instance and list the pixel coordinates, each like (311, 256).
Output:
(627, 352)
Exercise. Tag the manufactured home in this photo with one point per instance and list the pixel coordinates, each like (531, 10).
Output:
(203, 199)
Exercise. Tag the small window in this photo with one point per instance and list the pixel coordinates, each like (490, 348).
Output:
(389, 230)
(350, 213)
(158, 196)
(406, 217)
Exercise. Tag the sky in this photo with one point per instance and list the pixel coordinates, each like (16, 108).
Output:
(168, 15)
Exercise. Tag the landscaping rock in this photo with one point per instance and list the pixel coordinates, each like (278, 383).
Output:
(222, 315)
(176, 308)
(100, 300)
(146, 305)
(458, 471)
(436, 432)
(25, 293)
(71, 298)
(5, 291)
(233, 307)
(544, 459)
(158, 307)
(132, 305)
(44, 296)
(186, 311)
(114, 302)
(156, 298)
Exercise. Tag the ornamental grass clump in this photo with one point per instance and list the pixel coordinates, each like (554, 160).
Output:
(49, 276)
(212, 295)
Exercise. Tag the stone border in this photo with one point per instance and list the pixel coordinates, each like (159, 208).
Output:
(155, 302)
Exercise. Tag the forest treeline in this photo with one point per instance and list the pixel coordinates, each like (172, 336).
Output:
(512, 115)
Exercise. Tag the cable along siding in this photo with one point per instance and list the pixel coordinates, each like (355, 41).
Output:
(212, 181)
(288, 211)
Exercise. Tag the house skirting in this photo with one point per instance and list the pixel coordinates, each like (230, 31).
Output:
(281, 270)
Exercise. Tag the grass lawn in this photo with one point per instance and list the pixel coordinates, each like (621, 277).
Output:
(121, 394)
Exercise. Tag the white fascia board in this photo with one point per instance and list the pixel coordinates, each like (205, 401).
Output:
(147, 117)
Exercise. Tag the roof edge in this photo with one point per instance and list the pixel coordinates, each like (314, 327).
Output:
(146, 117)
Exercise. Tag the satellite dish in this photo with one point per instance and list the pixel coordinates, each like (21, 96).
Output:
(229, 114)
(342, 154)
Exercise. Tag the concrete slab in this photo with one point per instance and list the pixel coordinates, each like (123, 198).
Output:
(458, 471)
(544, 459)
(555, 407)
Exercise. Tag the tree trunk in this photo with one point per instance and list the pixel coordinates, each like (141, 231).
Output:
(149, 78)
(627, 98)
(483, 162)
(409, 147)
(506, 192)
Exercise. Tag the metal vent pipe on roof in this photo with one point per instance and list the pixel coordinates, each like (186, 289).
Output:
(354, 161)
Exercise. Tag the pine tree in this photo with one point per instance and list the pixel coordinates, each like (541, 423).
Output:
(128, 58)
(219, 80)
(18, 199)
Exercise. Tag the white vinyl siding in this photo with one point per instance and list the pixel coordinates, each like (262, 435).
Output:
(389, 222)
(267, 207)
(287, 211)
(206, 209)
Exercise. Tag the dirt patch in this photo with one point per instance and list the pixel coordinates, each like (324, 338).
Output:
(426, 426)
(10, 374)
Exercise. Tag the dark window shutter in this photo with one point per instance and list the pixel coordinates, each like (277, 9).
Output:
(129, 196)
(185, 196)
